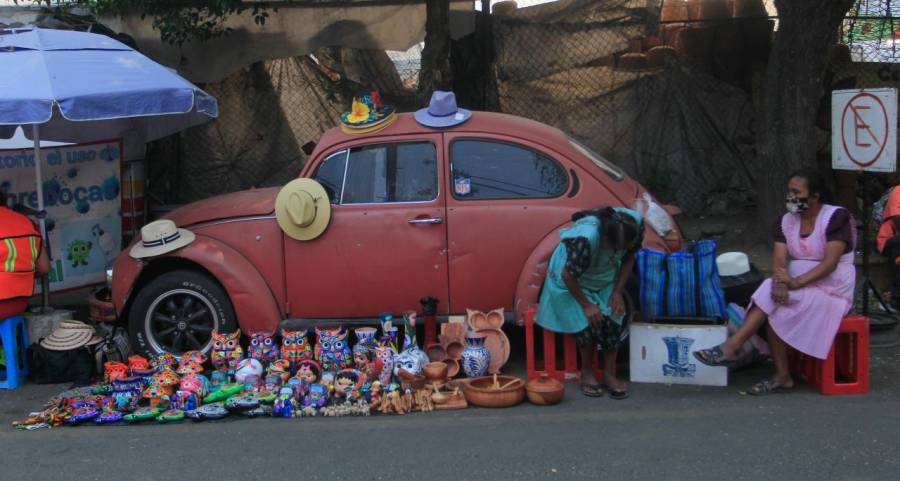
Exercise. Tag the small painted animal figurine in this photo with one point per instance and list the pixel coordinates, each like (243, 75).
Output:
(347, 384)
(115, 371)
(384, 352)
(167, 380)
(191, 391)
(280, 368)
(226, 350)
(164, 361)
(285, 406)
(317, 397)
(263, 347)
(295, 347)
(138, 364)
(332, 349)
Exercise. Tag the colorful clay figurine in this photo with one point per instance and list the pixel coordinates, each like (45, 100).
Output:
(295, 347)
(285, 406)
(138, 364)
(214, 410)
(164, 361)
(332, 349)
(109, 417)
(194, 357)
(309, 372)
(263, 347)
(224, 392)
(268, 397)
(260, 411)
(170, 416)
(317, 397)
(142, 414)
(271, 383)
(247, 368)
(114, 371)
(216, 380)
(191, 363)
(242, 402)
(347, 384)
(384, 353)
(365, 336)
(190, 392)
(126, 393)
(157, 394)
(167, 380)
(84, 410)
(410, 341)
(365, 361)
(280, 368)
(226, 350)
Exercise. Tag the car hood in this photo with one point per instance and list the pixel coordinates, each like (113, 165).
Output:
(238, 204)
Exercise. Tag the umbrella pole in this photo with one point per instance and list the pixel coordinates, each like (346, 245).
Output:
(39, 180)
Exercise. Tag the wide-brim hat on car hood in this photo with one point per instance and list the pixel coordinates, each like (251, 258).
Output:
(160, 237)
(69, 335)
(302, 209)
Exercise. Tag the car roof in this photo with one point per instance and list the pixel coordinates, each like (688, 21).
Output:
(480, 122)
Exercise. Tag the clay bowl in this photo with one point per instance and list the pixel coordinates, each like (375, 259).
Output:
(408, 380)
(436, 352)
(545, 391)
(452, 367)
(481, 391)
(454, 349)
(435, 372)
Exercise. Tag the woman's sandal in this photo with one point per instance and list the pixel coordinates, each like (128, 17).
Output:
(618, 395)
(591, 390)
(713, 357)
(769, 386)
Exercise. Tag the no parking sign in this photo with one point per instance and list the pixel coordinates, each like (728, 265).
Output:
(864, 130)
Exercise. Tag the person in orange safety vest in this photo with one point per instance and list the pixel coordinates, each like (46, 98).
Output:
(21, 258)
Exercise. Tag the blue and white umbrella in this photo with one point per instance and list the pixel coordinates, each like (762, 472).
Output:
(74, 86)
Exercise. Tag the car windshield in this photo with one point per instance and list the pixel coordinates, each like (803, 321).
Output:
(611, 169)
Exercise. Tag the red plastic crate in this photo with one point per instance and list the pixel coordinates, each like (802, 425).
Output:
(846, 369)
(549, 363)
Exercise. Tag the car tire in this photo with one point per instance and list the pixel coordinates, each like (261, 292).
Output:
(177, 311)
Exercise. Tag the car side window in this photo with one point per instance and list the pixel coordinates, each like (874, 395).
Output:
(483, 169)
(330, 174)
(400, 172)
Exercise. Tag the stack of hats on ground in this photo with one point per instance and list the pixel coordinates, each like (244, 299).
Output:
(65, 355)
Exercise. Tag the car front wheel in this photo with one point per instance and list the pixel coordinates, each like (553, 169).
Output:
(178, 311)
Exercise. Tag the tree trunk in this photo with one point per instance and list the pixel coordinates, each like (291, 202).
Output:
(792, 91)
(435, 72)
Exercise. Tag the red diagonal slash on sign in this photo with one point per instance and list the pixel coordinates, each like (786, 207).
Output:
(860, 124)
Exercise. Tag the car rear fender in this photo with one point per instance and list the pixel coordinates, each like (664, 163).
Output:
(253, 300)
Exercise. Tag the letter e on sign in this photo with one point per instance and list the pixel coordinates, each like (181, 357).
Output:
(864, 130)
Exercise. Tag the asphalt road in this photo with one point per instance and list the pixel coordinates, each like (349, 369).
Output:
(662, 432)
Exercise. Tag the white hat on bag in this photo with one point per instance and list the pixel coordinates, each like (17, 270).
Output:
(70, 335)
(160, 237)
(733, 264)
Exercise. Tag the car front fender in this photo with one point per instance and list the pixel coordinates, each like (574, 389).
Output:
(251, 296)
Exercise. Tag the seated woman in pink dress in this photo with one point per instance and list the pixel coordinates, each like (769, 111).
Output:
(807, 297)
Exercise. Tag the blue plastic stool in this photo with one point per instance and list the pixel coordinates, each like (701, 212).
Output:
(14, 337)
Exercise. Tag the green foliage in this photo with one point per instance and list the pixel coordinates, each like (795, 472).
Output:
(178, 21)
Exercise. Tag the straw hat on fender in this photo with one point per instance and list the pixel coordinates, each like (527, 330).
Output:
(160, 237)
(70, 335)
(302, 209)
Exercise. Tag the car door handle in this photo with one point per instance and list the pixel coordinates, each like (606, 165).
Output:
(430, 220)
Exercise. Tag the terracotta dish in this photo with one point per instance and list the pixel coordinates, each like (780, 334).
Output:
(497, 343)
(476, 319)
(495, 391)
(454, 350)
(452, 367)
(436, 352)
(545, 391)
(495, 319)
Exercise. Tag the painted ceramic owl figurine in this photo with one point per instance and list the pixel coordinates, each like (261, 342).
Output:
(295, 347)
(263, 347)
(226, 350)
(384, 353)
(332, 349)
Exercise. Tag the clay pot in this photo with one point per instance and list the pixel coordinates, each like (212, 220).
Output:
(436, 352)
(452, 367)
(454, 350)
(482, 392)
(435, 372)
(545, 391)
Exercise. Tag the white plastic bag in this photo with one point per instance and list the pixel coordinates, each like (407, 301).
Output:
(654, 215)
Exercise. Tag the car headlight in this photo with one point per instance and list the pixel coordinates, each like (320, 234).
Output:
(109, 276)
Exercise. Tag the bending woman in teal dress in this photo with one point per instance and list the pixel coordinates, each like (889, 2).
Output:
(582, 293)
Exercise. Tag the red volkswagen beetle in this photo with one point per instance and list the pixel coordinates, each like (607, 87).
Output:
(467, 215)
